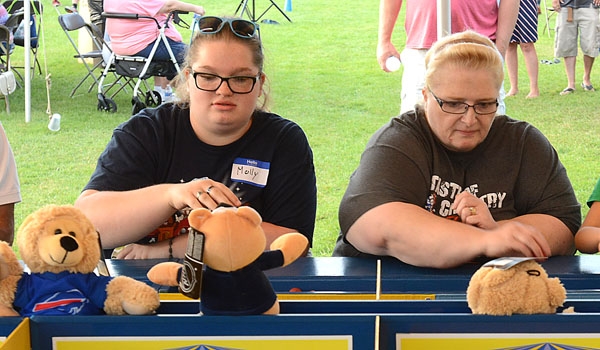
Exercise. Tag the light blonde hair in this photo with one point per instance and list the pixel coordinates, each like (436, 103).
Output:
(466, 49)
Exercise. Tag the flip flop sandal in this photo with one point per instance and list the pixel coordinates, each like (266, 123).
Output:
(545, 62)
(567, 91)
(588, 87)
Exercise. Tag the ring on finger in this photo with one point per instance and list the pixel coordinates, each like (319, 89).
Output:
(208, 189)
(198, 194)
(472, 210)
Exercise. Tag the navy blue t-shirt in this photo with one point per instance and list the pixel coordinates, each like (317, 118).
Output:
(270, 168)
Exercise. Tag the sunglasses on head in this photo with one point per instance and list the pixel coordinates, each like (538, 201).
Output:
(240, 27)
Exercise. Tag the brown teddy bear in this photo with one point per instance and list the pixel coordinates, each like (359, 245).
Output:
(524, 288)
(233, 282)
(61, 248)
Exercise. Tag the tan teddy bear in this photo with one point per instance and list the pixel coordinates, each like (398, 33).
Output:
(61, 248)
(233, 282)
(524, 288)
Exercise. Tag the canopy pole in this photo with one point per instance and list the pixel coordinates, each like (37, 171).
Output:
(444, 18)
(27, 27)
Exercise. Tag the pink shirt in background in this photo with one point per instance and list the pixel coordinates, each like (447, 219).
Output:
(421, 20)
(481, 16)
(3, 14)
(129, 37)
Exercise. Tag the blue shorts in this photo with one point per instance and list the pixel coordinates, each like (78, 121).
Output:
(162, 54)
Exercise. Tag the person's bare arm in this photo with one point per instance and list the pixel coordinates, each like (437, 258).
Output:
(160, 250)
(557, 234)
(507, 18)
(7, 222)
(176, 5)
(388, 15)
(420, 238)
(127, 216)
(587, 239)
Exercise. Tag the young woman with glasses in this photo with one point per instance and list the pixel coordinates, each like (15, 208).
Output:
(453, 181)
(216, 145)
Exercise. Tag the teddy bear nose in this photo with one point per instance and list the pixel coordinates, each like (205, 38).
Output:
(68, 243)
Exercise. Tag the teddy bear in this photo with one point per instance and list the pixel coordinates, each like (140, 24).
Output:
(524, 288)
(61, 248)
(234, 258)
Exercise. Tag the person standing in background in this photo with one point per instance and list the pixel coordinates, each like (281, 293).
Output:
(96, 8)
(487, 17)
(525, 36)
(576, 18)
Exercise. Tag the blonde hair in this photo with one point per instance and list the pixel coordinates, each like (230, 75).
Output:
(466, 49)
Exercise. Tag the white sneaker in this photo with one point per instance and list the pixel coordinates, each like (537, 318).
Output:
(167, 95)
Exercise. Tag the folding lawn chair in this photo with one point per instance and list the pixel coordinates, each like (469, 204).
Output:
(139, 68)
(7, 78)
(17, 24)
(71, 22)
(5, 48)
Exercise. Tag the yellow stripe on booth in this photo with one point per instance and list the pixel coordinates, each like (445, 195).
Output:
(325, 296)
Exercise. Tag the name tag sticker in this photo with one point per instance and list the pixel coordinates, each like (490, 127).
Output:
(250, 171)
(508, 262)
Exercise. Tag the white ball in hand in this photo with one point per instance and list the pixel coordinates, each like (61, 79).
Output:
(392, 63)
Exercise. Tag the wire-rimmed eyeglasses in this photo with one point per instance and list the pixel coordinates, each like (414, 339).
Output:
(455, 107)
(237, 84)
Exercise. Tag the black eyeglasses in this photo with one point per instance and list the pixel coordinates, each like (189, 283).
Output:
(240, 27)
(455, 107)
(237, 84)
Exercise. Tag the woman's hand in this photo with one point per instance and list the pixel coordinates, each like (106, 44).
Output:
(512, 238)
(201, 193)
(473, 211)
(556, 4)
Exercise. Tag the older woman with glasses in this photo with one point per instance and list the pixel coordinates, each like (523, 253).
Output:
(452, 181)
(216, 146)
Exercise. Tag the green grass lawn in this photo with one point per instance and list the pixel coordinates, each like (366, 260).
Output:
(323, 74)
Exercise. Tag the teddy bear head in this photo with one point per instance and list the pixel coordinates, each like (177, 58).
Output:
(58, 238)
(522, 289)
(233, 237)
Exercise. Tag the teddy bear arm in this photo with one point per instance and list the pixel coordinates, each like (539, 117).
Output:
(124, 295)
(165, 274)
(9, 264)
(8, 289)
(292, 245)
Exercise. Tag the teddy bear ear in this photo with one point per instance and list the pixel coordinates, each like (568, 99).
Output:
(198, 216)
(250, 214)
(497, 277)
